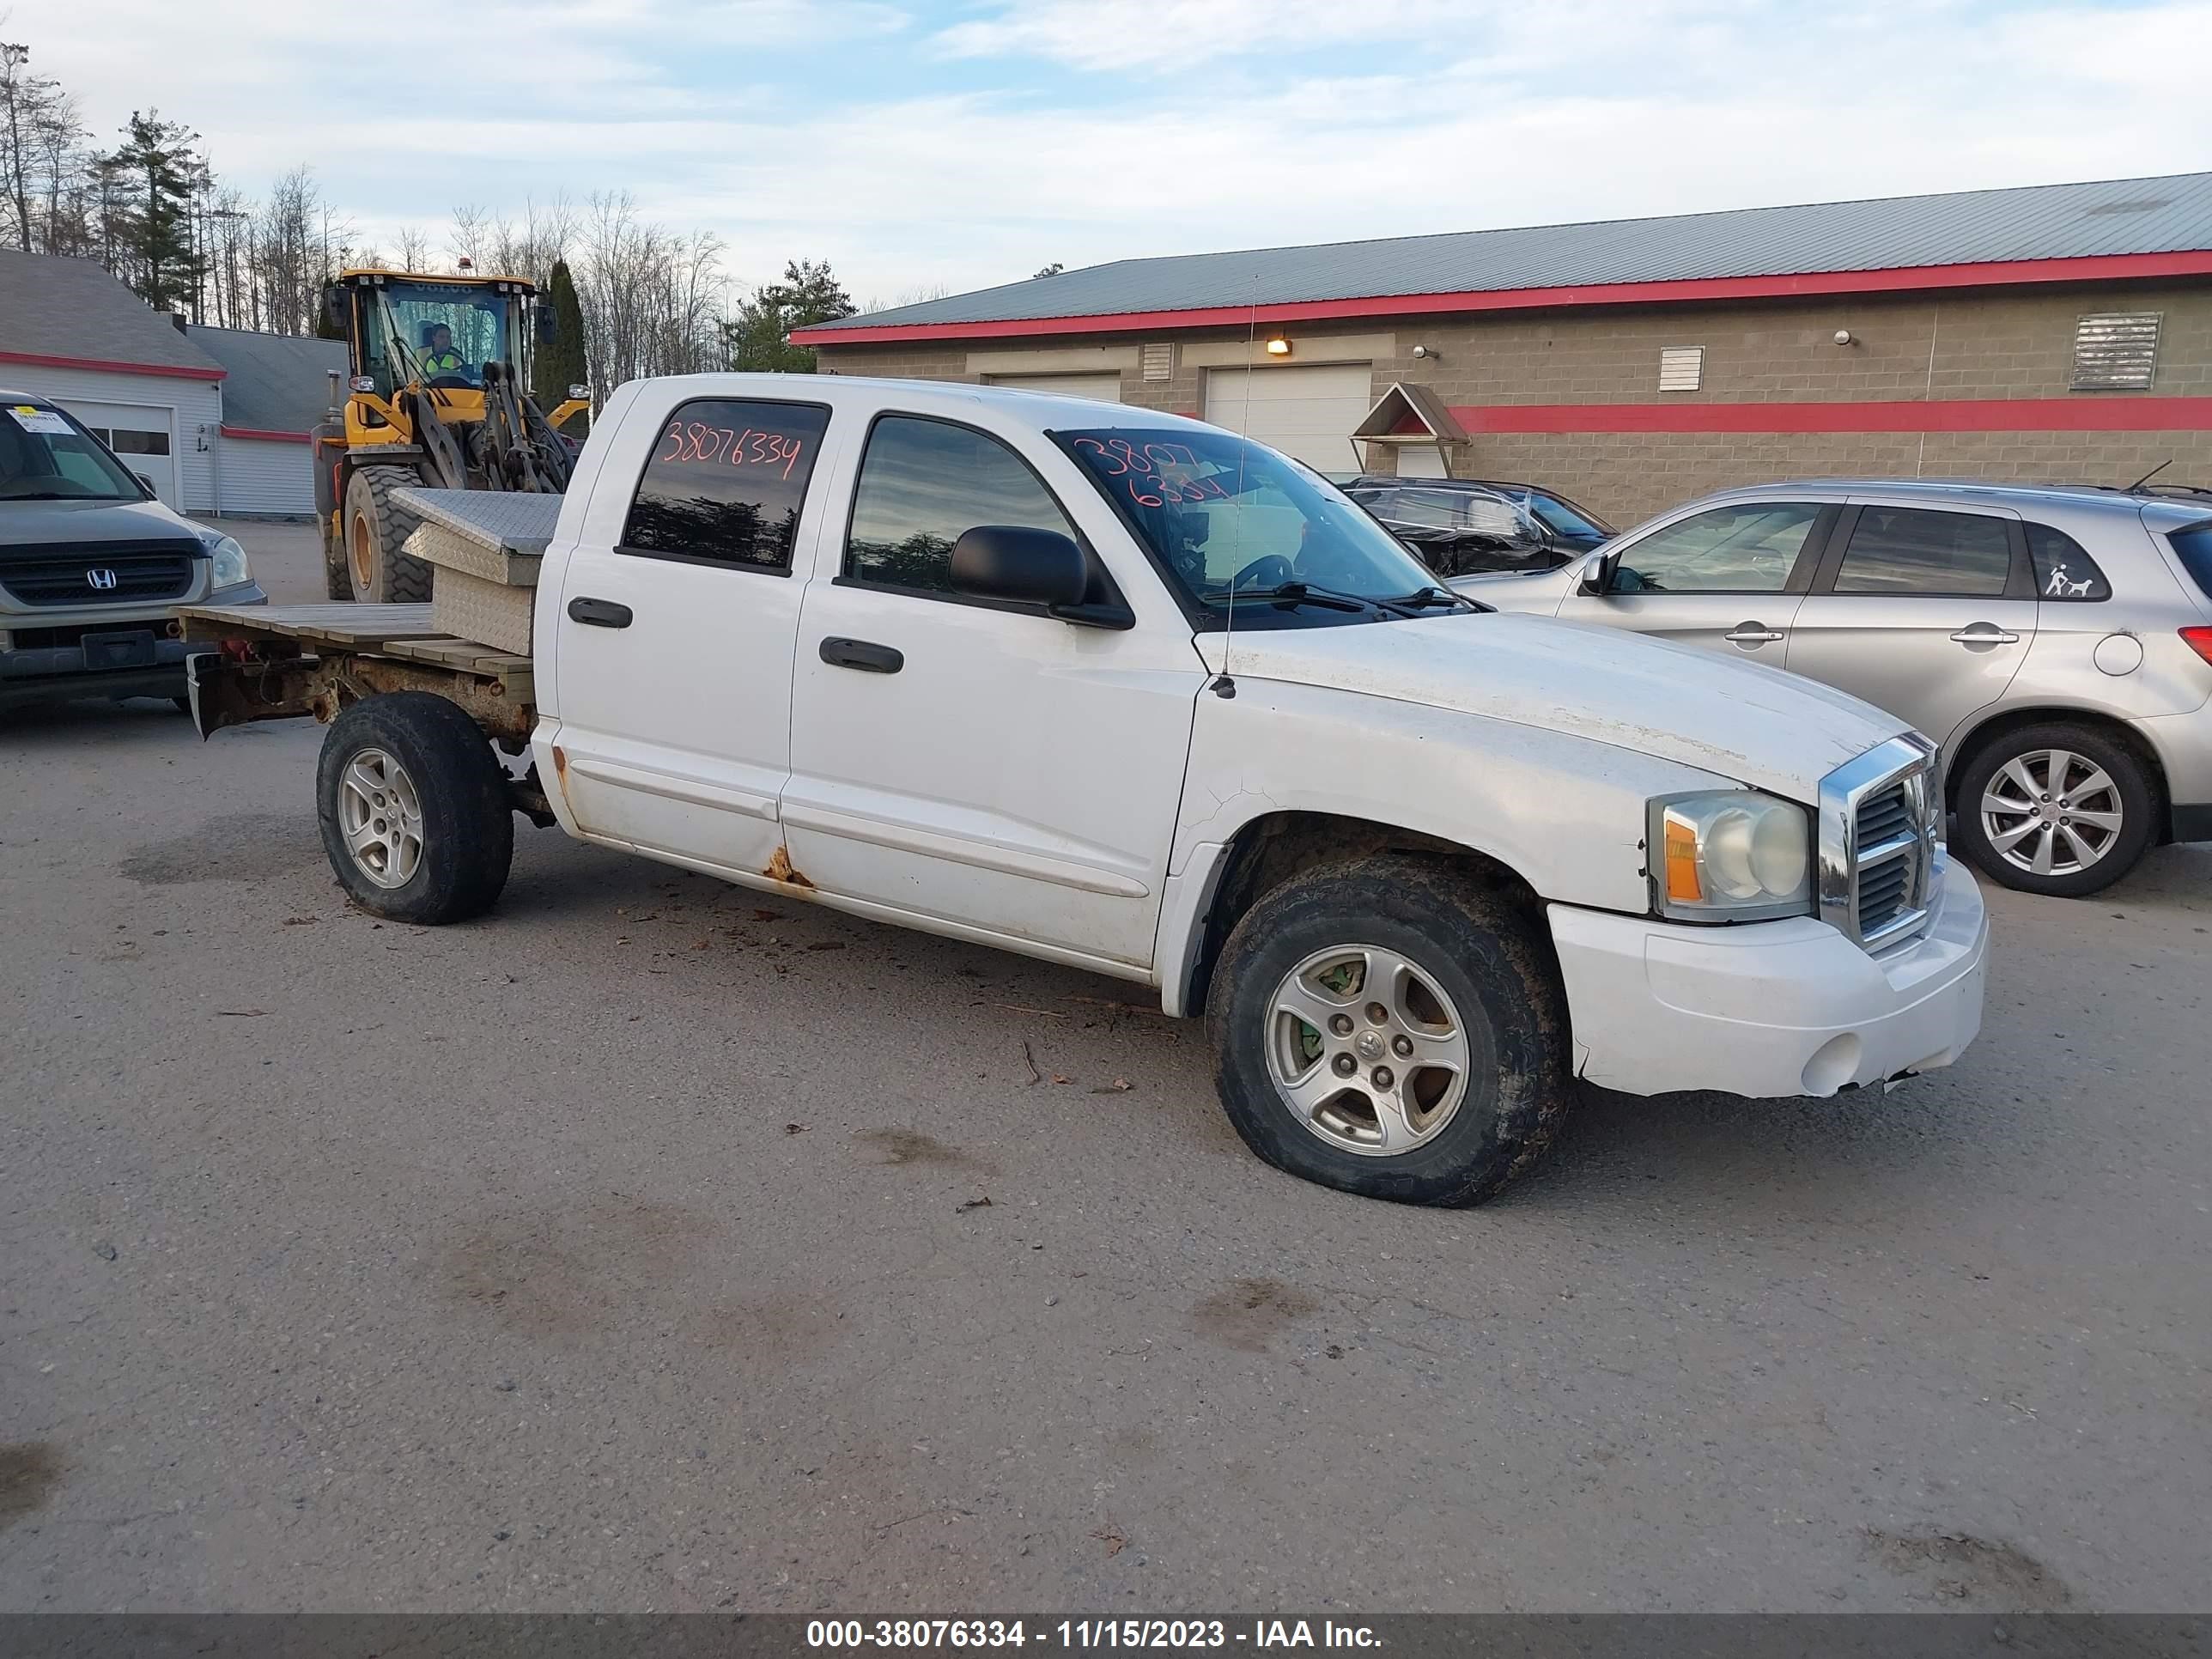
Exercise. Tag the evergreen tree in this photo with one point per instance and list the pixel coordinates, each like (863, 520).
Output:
(758, 337)
(156, 171)
(561, 365)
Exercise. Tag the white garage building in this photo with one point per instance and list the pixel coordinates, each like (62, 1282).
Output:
(215, 419)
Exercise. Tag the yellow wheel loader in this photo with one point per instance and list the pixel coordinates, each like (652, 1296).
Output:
(436, 394)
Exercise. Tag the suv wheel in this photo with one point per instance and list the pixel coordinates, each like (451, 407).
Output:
(2059, 810)
(1393, 1029)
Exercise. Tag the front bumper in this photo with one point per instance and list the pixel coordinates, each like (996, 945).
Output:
(1769, 1009)
(125, 657)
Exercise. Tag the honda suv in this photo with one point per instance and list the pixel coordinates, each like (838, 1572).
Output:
(91, 564)
(2056, 643)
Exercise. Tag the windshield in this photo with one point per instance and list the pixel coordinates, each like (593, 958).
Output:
(1224, 514)
(1566, 521)
(46, 456)
(444, 331)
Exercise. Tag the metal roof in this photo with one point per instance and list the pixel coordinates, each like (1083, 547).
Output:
(276, 382)
(2118, 216)
(71, 308)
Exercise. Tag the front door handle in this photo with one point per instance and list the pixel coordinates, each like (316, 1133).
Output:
(598, 613)
(1985, 634)
(868, 658)
(1749, 634)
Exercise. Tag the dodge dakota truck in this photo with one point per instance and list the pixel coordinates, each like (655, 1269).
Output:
(1130, 692)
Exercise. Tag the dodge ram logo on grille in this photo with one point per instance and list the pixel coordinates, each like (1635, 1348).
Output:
(100, 578)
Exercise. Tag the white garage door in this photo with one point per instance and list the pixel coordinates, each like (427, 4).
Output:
(141, 435)
(1306, 412)
(1107, 387)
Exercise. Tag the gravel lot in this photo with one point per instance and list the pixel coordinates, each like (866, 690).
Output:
(655, 1245)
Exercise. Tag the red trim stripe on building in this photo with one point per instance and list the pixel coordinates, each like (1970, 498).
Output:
(2092, 268)
(266, 437)
(2086, 412)
(174, 371)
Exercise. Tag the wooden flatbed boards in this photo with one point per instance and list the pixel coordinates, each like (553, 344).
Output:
(405, 631)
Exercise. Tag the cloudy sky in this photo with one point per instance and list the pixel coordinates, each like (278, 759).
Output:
(964, 143)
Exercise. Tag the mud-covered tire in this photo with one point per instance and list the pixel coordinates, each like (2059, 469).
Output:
(2110, 780)
(1490, 971)
(376, 530)
(338, 580)
(431, 762)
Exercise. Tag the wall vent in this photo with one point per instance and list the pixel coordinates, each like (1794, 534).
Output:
(1681, 368)
(1158, 360)
(2115, 351)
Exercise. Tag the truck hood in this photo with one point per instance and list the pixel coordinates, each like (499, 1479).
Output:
(1755, 724)
(28, 523)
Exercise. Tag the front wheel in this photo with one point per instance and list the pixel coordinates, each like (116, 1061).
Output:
(2060, 810)
(1391, 1028)
(414, 808)
(379, 570)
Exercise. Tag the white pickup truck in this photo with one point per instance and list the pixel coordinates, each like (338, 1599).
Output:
(1127, 691)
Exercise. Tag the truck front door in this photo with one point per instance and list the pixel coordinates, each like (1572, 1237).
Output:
(674, 634)
(978, 766)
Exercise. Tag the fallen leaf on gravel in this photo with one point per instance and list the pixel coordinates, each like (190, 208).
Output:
(794, 1128)
(983, 1203)
(827, 945)
(241, 1014)
(767, 915)
(1112, 1538)
(704, 944)
(1057, 1078)
(301, 921)
(1120, 1086)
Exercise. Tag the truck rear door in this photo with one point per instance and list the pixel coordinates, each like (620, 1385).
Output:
(676, 636)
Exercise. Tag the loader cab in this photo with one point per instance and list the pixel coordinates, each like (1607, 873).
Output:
(434, 333)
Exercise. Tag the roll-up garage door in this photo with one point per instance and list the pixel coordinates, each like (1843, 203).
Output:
(1105, 386)
(141, 436)
(1308, 412)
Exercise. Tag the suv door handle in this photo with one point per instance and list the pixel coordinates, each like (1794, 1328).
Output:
(1985, 634)
(869, 659)
(598, 613)
(1752, 633)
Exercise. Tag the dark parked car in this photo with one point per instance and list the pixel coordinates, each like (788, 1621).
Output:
(1465, 526)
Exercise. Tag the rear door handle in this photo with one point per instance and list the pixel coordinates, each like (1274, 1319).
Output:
(868, 658)
(598, 613)
(1752, 633)
(1985, 634)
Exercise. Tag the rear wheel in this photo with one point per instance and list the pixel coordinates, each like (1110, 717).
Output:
(2061, 809)
(378, 571)
(1391, 1028)
(414, 808)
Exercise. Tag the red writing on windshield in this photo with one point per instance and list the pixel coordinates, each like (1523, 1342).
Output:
(1153, 474)
(722, 445)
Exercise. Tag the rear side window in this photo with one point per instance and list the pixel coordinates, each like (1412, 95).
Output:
(726, 482)
(925, 484)
(2063, 568)
(2194, 543)
(1904, 550)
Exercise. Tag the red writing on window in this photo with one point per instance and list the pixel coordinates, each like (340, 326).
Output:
(1153, 474)
(721, 445)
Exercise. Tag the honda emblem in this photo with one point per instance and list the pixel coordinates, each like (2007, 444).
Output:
(100, 578)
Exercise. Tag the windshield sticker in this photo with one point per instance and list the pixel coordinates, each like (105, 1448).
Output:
(722, 445)
(31, 418)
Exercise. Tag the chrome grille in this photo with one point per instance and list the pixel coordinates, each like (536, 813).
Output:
(88, 574)
(1879, 863)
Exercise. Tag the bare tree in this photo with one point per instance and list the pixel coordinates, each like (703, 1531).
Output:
(415, 253)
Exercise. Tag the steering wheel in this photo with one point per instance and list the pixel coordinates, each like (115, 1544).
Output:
(451, 383)
(1277, 567)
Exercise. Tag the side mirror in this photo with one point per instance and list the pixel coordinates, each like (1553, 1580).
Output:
(1597, 574)
(1030, 567)
(549, 325)
(334, 305)
(146, 484)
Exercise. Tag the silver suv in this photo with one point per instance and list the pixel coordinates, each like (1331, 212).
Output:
(2056, 643)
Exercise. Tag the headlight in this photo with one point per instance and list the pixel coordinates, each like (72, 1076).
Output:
(1733, 855)
(230, 566)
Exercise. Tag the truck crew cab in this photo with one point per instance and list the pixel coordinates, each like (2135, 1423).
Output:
(1129, 692)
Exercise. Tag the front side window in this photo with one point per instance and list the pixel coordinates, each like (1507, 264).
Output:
(1567, 521)
(925, 484)
(1911, 550)
(1747, 549)
(1225, 516)
(2063, 568)
(726, 482)
(45, 455)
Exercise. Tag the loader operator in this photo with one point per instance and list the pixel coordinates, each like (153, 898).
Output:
(439, 356)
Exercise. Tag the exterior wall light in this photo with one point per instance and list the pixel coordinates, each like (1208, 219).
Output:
(1278, 347)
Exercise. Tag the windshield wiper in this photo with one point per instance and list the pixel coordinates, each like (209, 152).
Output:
(1421, 598)
(60, 495)
(1307, 594)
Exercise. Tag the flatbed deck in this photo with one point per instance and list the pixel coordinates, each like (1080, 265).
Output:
(401, 631)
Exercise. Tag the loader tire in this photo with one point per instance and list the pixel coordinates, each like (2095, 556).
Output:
(337, 581)
(376, 530)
